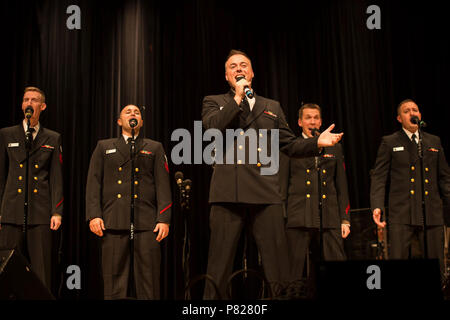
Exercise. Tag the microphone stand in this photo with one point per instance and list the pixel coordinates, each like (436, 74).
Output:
(316, 132)
(424, 216)
(187, 194)
(184, 188)
(182, 195)
(319, 190)
(28, 143)
(131, 289)
(185, 207)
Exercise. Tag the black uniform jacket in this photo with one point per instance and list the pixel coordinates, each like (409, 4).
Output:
(397, 168)
(108, 190)
(301, 180)
(45, 180)
(243, 182)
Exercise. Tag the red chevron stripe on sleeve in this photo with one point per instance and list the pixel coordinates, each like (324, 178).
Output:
(59, 203)
(162, 211)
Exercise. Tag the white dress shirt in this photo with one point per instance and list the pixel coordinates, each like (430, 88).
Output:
(36, 128)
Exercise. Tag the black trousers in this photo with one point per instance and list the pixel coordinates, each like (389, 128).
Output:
(39, 240)
(226, 224)
(401, 236)
(300, 240)
(116, 264)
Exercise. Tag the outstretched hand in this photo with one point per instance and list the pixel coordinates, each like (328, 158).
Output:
(328, 139)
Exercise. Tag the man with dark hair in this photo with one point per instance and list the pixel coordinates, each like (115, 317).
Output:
(108, 200)
(302, 179)
(398, 166)
(239, 191)
(45, 186)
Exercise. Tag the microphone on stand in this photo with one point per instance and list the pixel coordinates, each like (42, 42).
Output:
(29, 112)
(131, 288)
(420, 123)
(28, 135)
(28, 143)
(247, 90)
(185, 189)
(133, 122)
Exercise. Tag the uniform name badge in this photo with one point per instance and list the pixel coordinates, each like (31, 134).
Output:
(398, 149)
(13, 145)
(111, 151)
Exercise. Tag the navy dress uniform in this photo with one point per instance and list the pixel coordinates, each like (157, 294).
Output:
(45, 189)
(300, 178)
(108, 197)
(398, 166)
(239, 191)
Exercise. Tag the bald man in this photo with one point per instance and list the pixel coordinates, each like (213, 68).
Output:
(108, 199)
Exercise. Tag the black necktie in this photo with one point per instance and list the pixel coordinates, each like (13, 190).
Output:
(245, 108)
(416, 144)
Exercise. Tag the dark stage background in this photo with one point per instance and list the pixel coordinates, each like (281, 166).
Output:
(167, 55)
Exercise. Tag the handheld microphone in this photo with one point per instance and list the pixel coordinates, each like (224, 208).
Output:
(133, 122)
(416, 120)
(247, 90)
(315, 132)
(179, 178)
(29, 112)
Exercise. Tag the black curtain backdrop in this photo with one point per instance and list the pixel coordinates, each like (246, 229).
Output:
(167, 55)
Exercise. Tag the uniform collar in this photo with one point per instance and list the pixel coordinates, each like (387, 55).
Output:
(126, 137)
(36, 128)
(409, 133)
